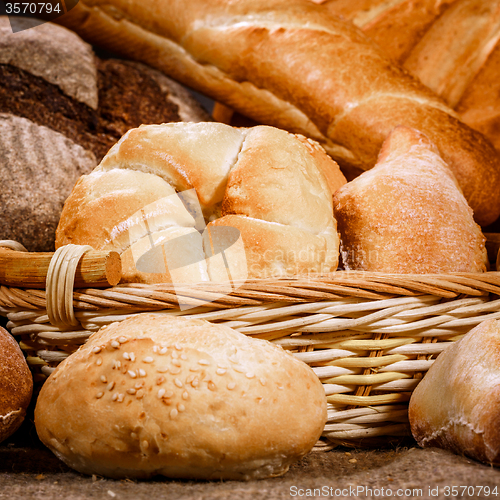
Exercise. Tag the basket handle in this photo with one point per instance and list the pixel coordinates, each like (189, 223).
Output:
(23, 269)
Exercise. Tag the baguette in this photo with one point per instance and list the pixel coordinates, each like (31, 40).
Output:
(292, 65)
(452, 46)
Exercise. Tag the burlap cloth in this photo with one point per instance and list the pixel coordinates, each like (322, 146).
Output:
(30, 471)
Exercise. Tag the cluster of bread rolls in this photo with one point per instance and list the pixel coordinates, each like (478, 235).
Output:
(261, 192)
(293, 65)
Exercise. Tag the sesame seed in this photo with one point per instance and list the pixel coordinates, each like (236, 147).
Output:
(178, 346)
(220, 371)
(174, 355)
(126, 355)
(120, 398)
(110, 386)
(145, 444)
(233, 359)
(173, 413)
(175, 371)
(139, 385)
(194, 369)
(169, 394)
(96, 350)
(115, 344)
(239, 369)
(115, 397)
(195, 382)
(142, 373)
(231, 386)
(163, 369)
(160, 380)
(161, 393)
(177, 382)
(98, 362)
(123, 340)
(185, 395)
(262, 381)
(190, 379)
(280, 387)
(148, 359)
(103, 379)
(131, 391)
(133, 435)
(211, 386)
(181, 407)
(132, 356)
(163, 350)
(184, 357)
(203, 362)
(176, 362)
(249, 374)
(140, 394)
(155, 348)
(132, 374)
(99, 395)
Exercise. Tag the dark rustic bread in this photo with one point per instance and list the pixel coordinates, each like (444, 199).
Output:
(16, 385)
(74, 106)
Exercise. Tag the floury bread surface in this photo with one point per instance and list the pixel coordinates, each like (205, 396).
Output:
(408, 214)
(293, 65)
(457, 404)
(264, 194)
(183, 398)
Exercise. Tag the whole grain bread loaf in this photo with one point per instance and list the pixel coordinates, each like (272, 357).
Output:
(61, 110)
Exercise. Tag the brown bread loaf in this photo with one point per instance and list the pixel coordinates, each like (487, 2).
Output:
(61, 109)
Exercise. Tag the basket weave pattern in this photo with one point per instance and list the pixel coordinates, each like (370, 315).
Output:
(369, 337)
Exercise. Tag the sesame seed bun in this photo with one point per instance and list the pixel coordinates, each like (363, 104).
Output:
(183, 398)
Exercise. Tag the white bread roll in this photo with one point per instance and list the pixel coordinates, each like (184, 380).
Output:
(408, 214)
(183, 398)
(456, 406)
(276, 187)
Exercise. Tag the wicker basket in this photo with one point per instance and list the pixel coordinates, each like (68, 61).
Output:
(369, 337)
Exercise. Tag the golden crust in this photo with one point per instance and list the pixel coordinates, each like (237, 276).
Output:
(261, 173)
(16, 385)
(407, 214)
(294, 66)
(457, 404)
(183, 398)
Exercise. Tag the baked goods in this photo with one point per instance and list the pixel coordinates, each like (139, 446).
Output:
(154, 192)
(408, 214)
(183, 398)
(16, 385)
(457, 404)
(61, 109)
(452, 46)
(292, 65)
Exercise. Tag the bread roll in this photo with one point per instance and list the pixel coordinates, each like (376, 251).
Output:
(290, 64)
(456, 406)
(265, 183)
(61, 109)
(183, 398)
(408, 214)
(16, 385)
